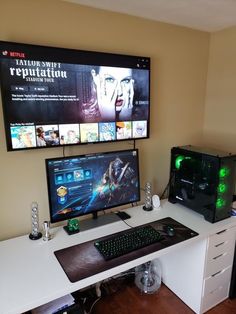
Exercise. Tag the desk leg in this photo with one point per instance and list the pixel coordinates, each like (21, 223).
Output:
(183, 272)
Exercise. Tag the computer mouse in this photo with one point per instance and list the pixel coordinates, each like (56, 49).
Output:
(169, 230)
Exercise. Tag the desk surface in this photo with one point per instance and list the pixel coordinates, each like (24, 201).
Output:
(30, 274)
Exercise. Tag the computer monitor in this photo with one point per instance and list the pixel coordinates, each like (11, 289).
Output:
(86, 184)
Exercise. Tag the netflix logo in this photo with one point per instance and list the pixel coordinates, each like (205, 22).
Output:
(13, 54)
(17, 54)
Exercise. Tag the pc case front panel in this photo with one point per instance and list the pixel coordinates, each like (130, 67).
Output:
(195, 182)
(225, 188)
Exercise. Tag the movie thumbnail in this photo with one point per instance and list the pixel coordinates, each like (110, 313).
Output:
(107, 131)
(23, 136)
(47, 135)
(69, 134)
(89, 132)
(139, 129)
(123, 130)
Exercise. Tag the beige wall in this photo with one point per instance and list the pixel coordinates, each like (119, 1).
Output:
(179, 68)
(220, 110)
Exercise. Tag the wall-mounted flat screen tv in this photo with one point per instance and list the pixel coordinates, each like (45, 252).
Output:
(56, 96)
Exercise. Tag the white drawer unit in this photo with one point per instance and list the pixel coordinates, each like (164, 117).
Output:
(215, 297)
(217, 280)
(218, 268)
(217, 263)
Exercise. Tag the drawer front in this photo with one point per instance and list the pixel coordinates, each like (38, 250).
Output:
(217, 280)
(222, 236)
(218, 263)
(220, 248)
(221, 243)
(215, 297)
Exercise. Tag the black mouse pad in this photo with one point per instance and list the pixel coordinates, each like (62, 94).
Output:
(83, 260)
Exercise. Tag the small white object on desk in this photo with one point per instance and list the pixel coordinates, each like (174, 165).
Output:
(156, 201)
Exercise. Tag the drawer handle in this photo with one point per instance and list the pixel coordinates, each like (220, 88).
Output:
(222, 231)
(218, 288)
(219, 244)
(218, 256)
(216, 273)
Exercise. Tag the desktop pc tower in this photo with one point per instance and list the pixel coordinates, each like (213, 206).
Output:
(202, 180)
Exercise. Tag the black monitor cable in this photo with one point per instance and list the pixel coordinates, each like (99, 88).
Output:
(132, 143)
(63, 151)
(166, 190)
(128, 224)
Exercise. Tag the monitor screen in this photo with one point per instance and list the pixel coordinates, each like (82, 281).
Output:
(56, 96)
(80, 185)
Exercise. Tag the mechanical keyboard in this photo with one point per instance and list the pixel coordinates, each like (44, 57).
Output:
(127, 241)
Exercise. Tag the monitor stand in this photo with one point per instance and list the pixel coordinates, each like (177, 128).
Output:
(98, 221)
(95, 222)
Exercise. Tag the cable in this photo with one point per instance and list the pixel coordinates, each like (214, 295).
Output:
(127, 224)
(124, 274)
(165, 190)
(91, 308)
(167, 186)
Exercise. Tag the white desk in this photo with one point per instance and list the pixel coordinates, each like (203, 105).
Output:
(30, 274)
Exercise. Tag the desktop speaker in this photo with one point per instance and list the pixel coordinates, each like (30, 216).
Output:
(148, 197)
(202, 180)
(35, 233)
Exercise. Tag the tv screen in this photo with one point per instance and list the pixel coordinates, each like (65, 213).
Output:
(80, 185)
(56, 96)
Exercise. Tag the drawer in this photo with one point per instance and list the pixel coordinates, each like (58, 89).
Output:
(219, 262)
(220, 248)
(221, 243)
(215, 297)
(221, 236)
(217, 280)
